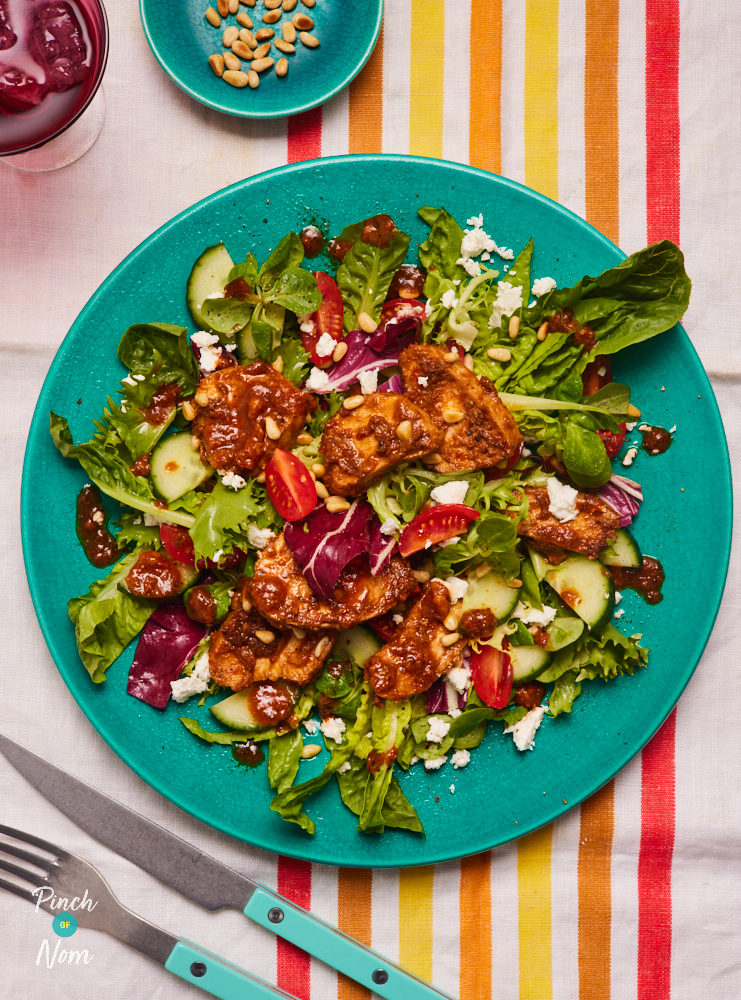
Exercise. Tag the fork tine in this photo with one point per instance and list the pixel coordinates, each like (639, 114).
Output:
(32, 859)
(18, 890)
(29, 838)
(23, 873)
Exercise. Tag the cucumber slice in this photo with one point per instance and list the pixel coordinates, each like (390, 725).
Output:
(562, 632)
(235, 712)
(527, 662)
(586, 586)
(622, 551)
(540, 565)
(156, 576)
(175, 468)
(209, 275)
(358, 644)
(490, 591)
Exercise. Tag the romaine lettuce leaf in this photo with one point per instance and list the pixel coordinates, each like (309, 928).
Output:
(365, 274)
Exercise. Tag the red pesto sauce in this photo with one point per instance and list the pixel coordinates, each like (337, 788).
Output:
(162, 403)
(96, 540)
(270, 702)
(646, 579)
(656, 440)
(312, 240)
(248, 754)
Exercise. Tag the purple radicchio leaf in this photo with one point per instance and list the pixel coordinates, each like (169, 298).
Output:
(393, 385)
(167, 642)
(442, 697)
(622, 503)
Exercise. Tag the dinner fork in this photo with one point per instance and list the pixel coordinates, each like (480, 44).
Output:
(70, 878)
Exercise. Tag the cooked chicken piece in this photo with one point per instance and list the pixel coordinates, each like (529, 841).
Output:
(479, 429)
(232, 407)
(279, 591)
(415, 656)
(359, 445)
(238, 657)
(590, 531)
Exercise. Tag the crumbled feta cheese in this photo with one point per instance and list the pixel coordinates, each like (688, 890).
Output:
(506, 254)
(99, 517)
(541, 286)
(209, 358)
(203, 339)
(509, 298)
(438, 729)
(448, 299)
(523, 732)
(428, 309)
(123, 408)
(531, 616)
(630, 456)
(645, 427)
(128, 380)
(311, 726)
(456, 281)
(619, 614)
(230, 347)
(389, 526)
(452, 789)
(197, 683)
(436, 763)
(602, 372)
(673, 429)
(317, 380)
(423, 380)
(397, 619)
(216, 295)
(333, 728)
(413, 761)
(140, 378)
(343, 767)
(630, 427)
(452, 492)
(451, 541)
(618, 597)
(476, 220)
(368, 381)
(259, 537)
(456, 587)
(460, 758)
(308, 327)
(454, 713)
(217, 555)
(459, 677)
(512, 272)
(325, 346)
(137, 520)
(152, 522)
(562, 500)
(232, 479)
(470, 266)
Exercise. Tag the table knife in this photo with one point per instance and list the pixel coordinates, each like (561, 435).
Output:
(210, 883)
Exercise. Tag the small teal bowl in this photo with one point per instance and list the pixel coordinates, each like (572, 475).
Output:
(182, 40)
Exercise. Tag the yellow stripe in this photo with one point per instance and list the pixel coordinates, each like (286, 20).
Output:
(415, 920)
(426, 57)
(534, 893)
(541, 96)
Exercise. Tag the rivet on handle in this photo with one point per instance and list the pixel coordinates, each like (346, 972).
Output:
(198, 969)
(275, 916)
(380, 976)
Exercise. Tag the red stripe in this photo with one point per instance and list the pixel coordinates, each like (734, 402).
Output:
(655, 865)
(305, 136)
(662, 119)
(294, 965)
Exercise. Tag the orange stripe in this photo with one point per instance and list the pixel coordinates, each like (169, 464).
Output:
(366, 104)
(601, 116)
(476, 927)
(354, 887)
(595, 894)
(485, 115)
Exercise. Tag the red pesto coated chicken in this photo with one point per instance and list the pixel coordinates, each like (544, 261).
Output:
(589, 532)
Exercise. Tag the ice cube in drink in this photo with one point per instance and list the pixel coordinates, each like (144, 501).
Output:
(56, 43)
(8, 37)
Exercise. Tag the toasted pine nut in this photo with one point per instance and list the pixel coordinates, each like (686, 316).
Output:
(272, 16)
(189, 411)
(264, 636)
(434, 458)
(453, 416)
(246, 36)
(542, 331)
(353, 402)
(514, 326)
(303, 22)
(310, 750)
(304, 438)
(281, 67)
(271, 428)
(308, 3)
(201, 397)
(318, 469)
(289, 32)
(260, 478)
(322, 645)
(633, 411)
(558, 466)
(321, 491)
(231, 61)
(451, 623)
(421, 575)
(336, 504)
(341, 350)
(231, 34)
(366, 323)
(450, 357)
(502, 354)
(262, 50)
(233, 6)
(288, 5)
(248, 3)
(213, 18)
(263, 34)
(514, 584)
(272, 4)
(284, 47)
(313, 476)
(241, 50)
(260, 65)
(253, 79)
(245, 20)
(223, 7)
(194, 442)
(300, 633)
(235, 78)
(482, 570)
(404, 430)
(246, 605)
(450, 638)
(468, 361)
(310, 41)
(278, 364)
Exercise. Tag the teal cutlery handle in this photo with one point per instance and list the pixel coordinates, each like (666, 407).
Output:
(218, 977)
(337, 949)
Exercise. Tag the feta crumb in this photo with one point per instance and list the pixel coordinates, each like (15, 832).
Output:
(452, 789)
(509, 298)
(471, 267)
(602, 372)
(506, 254)
(476, 220)
(630, 456)
(460, 758)
(152, 522)
(333, 728)
(311, 726)
(423, 380)
(325, 346)
(454, 713)
(645, 427)
(308, 327)
(397, 619)
(448, 299)
(343, 767)
(630, 427)
(619, 614)
(452, 492)
(203, 339)
(128, 380)
(456, 587)
(317, 380)
(368, 381)
(673, 429)
(413, 761)
(230, 347)
(531, 616)
(436, 763)
(541, 286)
(232, 479)
(389, 526)
(140, 378)
(618, 597)
(459, 677)
(451, 541)
(259, 537)
(137, 520)
(562, 500)
(523, 732)
(99, 517)
(456, 281)
(209, 357)
(197, 683)
(438, 729)
(428, 309)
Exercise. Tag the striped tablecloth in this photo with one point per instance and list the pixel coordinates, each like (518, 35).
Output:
(629, 113)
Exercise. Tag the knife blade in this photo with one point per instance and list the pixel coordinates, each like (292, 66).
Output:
(208, 882)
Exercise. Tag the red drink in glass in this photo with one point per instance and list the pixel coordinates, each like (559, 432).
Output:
(52, 57)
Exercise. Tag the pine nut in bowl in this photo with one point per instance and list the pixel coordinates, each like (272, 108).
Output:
(317, 58)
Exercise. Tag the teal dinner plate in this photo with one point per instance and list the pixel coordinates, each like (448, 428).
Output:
(685, 521)
(182, 40)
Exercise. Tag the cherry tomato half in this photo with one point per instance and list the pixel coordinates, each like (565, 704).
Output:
(327, 318)
(591, 378)
(396, 309)
(491, 672)
(613, 442)
(289, 485)
(495, 473)
(436, 525)
(179, 545)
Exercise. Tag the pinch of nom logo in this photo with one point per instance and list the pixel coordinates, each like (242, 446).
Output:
(64, 925)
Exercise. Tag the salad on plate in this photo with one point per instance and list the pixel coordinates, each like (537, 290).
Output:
(374, 508)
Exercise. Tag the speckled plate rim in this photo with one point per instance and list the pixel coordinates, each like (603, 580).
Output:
(237, 113)
(722, 491)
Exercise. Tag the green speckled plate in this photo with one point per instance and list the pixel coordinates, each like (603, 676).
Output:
(182, 40)
(685, 521)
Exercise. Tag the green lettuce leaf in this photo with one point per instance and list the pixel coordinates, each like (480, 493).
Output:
(222, 519)
(162, 351)
(288, 254)
(295, 289)
(283, 760)
(365, 274)
(442, 248)
(388, 725)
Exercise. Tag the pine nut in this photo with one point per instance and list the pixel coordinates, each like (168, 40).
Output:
(246, 605)
(235, 78)
(450, 356)
(284, 46)
(310, 750)
(248, 3)
(272, 16)
(341, 350)
(482, 570)
(253, 79)
(278, 364)
(434, 458)
(223, 7)
(201, 397)
(288, 5)
(353, 402)
(366, 322)
(272, 4)
(308, 3)
(304, 438)
(322, 646)
(502, 354)
(514, 326)
(260, 65)
(230, 60)
(450, 638)
(468, 361)
(241, 50)
(453, 416)
(245, 20)
(321, 491)
(421, 575)
(318, 469)
(194, 442)
(514, 584)
(264, 636)
(271, 428)
(313, 476)
(246, 36)
(231, 34)
(260, 478)
(633, 411)
(189, 411)
(451, 623)
(300, 633)
(303, 22)
(336, 504)
(404, 430)
(263, 34)
(310, 41)
(213, 18)
(233, 6)
(289, 32)
(542, 331)
(261, 51)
